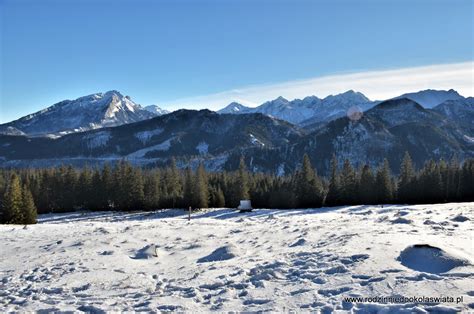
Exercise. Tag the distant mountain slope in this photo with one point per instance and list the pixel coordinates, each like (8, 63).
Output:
(85, 113)
(306, 111)
(235, 107)
(184, 135)
(460, 111)
(156, 110)
(387, 131)
(268, 144)
(430, 98)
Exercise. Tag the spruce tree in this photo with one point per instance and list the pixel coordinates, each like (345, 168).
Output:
(13, 201)
(430, 186)
(219, 200)
(135, 195)
(309, 189)
(28, 207)
(383, 183)
(152, 191)
(334, 189)
(367, 186)
(188, 188)
(443, 172)
(84, 188)
(97, 197)
(405, 182)
(242, 181)
(452, 182)
(174, 185)
(200, 188)
(107, 186)
(466, 185)
(348, 184)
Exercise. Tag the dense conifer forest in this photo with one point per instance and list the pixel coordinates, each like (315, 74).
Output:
(123, 187)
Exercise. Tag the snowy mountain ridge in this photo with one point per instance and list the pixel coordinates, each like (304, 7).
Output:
(84, 113)
(312, 110)
(307, 110)
(430, 98)
(387, 130)
(156, 110)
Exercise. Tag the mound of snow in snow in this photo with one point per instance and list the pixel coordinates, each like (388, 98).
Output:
(460, 218)
(401, 220)
(429, 259)
(300, 241)
(221, 254)
(147, 252)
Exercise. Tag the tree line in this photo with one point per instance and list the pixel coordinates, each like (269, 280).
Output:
(123, 187)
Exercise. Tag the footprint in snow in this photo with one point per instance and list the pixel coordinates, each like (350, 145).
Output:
(332, 292)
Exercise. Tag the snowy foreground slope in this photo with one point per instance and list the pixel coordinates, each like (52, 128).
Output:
(281, 260)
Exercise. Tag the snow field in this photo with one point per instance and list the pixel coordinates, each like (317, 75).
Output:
(280, 260)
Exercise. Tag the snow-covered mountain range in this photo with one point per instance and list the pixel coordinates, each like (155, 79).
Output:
(308, 110)
(103, 132)
(85, 113)
(268, 144)
(313, 111)
(113, 109)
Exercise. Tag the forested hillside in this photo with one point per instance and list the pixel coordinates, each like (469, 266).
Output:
(125, 187)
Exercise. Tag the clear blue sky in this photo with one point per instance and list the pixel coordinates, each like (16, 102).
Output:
(160, 51)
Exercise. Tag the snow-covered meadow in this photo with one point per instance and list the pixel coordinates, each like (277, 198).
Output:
(280, 260)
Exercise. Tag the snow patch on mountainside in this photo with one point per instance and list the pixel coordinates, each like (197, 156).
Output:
(255, 140)
(98, 139)
(156, 110)
(202, 148)
(145, 136)
(469, 139)
(163, 146)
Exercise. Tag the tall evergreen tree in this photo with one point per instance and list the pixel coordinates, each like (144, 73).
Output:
(406, 188)
(188, 188)
(466, 185)
(97, 199)
(28, 207)
(367, 186)
(12, 202)
(106, 187)
(200, 188)
(452, 181)
(219, 199)
(152, 190)
(84, 188)
(348, 191)
(430, 186)
(383, 184)
(174, 185)
(134, 187)
(333, 197)
(309, 189)
(242, 184)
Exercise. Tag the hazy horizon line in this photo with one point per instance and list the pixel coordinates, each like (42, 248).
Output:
(374, 84)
